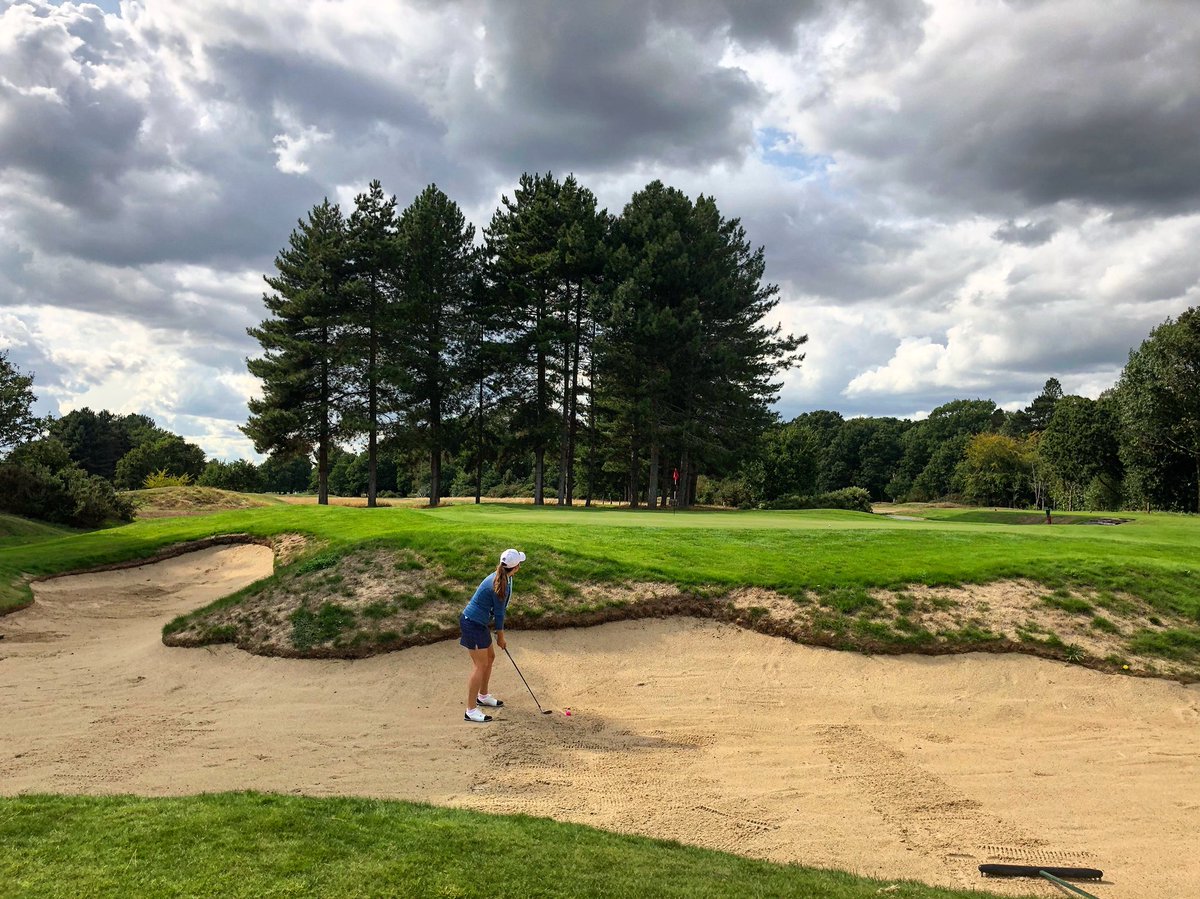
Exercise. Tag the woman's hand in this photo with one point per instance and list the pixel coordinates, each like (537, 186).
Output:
(500, 640)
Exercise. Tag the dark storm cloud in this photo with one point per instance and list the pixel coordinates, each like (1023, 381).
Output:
(72, 133)
(780, 24)
(1058, 102)
(216, 316)
(319, 91)
(1031, 234)
(600, 85)
(97, 143)
(607, 86)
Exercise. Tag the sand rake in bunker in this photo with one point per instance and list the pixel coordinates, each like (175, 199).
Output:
(1057, 876)
(526, 683)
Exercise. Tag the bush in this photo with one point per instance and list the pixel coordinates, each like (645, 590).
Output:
(68, 496)
(170, 453)
(855, 499)
(162, 478)
(722, 492)
(240, 476)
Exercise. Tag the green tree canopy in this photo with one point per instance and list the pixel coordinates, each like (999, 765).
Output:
(1041, 409)
(995, 470)
(17, 421)
(98, 440)
(1080, 445)
(1158, 398)
(171, 454)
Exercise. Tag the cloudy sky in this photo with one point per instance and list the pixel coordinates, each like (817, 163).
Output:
(958, 198)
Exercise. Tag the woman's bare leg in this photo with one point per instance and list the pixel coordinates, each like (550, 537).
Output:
(487, 672)
(479, 665)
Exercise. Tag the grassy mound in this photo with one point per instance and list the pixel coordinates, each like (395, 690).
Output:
(17, 530)
(378, 599)
(255, 845)
(162, 502)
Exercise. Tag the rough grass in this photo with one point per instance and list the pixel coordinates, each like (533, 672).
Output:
(162, 502)
(261, 845)
(378, 600)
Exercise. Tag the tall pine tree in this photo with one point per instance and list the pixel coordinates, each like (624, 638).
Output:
(437, 277)
(373, 316)
(303, 366)
(689, 362)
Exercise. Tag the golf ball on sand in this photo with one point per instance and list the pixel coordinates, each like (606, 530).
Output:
(567, 712)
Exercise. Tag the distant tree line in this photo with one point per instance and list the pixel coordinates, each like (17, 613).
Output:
(586, 354)
(1136, 446)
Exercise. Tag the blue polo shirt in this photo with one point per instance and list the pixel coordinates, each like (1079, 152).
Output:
(486, 606)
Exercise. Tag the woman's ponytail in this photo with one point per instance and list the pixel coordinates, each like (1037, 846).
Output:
(500, 581)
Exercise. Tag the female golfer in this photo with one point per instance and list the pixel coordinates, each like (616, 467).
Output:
(486, 606)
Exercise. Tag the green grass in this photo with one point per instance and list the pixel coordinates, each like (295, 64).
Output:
(256, 845)
(1063, 600)
(1173, 643)
(15, 530)
(1155, 557)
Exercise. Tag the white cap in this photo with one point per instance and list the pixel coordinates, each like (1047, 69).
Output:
(511, 557)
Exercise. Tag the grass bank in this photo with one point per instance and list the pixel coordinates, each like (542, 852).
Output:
(16, 531)
(260, 845)
(1137, 584)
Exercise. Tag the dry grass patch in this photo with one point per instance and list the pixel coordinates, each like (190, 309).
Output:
(349, 606)
(167, 502)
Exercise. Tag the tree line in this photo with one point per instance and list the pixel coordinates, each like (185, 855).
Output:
(1137, 446)
(616, 354)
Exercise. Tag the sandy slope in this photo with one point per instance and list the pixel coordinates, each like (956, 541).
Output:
(895, 767)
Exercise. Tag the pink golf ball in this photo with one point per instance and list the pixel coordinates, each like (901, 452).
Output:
(567, 712)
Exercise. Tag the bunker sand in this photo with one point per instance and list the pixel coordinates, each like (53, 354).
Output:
(894, 767)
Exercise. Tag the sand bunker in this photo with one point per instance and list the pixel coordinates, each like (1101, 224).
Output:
(896, 767)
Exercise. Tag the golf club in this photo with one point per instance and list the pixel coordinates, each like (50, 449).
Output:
(525, 682)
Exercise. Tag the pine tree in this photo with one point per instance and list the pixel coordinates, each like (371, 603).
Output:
(581, 255)
(647, 321)
(373, 320)
(545, 252)
(730, 358)
(437, 276)
(689, 363)
(303, 368)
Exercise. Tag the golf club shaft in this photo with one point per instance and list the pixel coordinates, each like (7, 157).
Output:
(520, 675)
